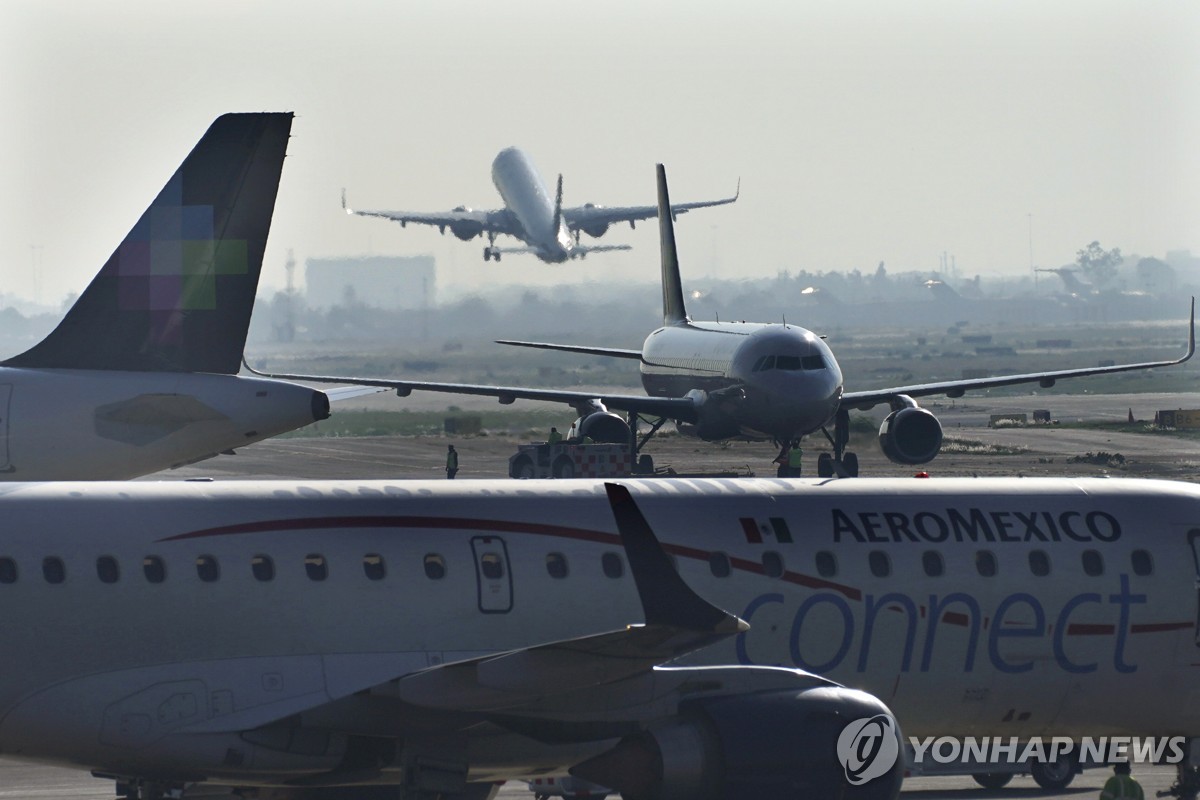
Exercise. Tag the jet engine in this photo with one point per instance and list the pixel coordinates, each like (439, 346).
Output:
(466, 229)
(603, 427)
(910, 436)
(816, 743)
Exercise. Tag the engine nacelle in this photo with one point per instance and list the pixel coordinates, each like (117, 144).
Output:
(602, 427)
(910, 436)
(817, 743)
(595, 229)
(466, 229)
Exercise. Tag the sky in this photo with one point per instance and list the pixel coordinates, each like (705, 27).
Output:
(1001, 133)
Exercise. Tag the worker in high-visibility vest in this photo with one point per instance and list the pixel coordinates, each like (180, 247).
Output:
(451, 462)
(1122, 786)
(555, 437)
(794, 458)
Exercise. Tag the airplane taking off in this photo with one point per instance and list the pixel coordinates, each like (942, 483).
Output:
(141, 373)
(530, 214)
(396, 640)
(721, 380)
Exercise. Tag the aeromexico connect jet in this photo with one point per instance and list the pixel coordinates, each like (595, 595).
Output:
(772, 381)
(670, 639)
(531, 215)
(141, 373)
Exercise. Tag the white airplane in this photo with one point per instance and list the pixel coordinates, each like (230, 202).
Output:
(721, 380)
(141, 373)
(317, 640)
(531, 215)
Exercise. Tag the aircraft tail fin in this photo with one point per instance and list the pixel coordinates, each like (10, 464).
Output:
(558, 206)
(176, 295)
(672, 287)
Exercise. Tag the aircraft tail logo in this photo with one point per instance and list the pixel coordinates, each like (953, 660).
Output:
(176, 295)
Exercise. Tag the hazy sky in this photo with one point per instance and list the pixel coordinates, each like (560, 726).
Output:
(862, 131)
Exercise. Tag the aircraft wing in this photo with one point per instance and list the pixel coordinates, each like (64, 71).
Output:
(582, 216)
(864, 400)
(684, 409)
(615, 352)
(677, 621)
(496, 220)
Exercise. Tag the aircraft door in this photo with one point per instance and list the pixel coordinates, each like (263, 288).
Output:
(1194, 543)
(492, 574)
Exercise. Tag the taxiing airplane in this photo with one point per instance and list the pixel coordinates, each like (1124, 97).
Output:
(530, 214)
(141, 373)
(321, 640)
(720, 380)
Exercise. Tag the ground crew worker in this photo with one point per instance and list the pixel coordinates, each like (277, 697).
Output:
(1122, 786)
(451, 462)
(794, 457)
(555, 437)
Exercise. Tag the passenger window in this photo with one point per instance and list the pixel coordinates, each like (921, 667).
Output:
(53, 569)
(373, 567)
(826, 564)
(1093, 563)
(107, 570)
(931, 561)
(154, 569)
(263, 568)
(435, 567)
(556, 565)
(316, 567)
(8, 570)
(718, 565)
(612, 564)
(985, 563)
(491, 566)
(772, 564)
(881, 567)
(1141, 562)
(1039, 563)
(207, 569)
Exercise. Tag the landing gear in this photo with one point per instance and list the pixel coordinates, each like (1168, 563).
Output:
(1187, 783)
(992, 780)
(1054, 775)
(491, 251)
(841, 463)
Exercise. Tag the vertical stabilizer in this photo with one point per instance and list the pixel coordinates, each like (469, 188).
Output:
(176, 295)
(672, 287)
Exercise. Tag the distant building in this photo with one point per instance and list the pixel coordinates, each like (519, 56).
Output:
(387, 282)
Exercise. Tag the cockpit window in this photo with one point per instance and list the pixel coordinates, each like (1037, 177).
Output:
(787, 362)
(790, 363)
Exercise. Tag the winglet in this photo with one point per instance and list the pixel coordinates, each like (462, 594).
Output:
(666, 599)
(345, 207)
(672, 287)
(1191, 351)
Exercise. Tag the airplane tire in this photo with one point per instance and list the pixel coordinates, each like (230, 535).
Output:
(563, 468)
(850, 462)
(824, 465)
(487, 254)
(522, 468)
(1053, 775)
(992, 780)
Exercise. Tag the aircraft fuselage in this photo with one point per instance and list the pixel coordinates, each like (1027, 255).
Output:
(60, 424)
(763, 380)
(527, 198)
(148, 625)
